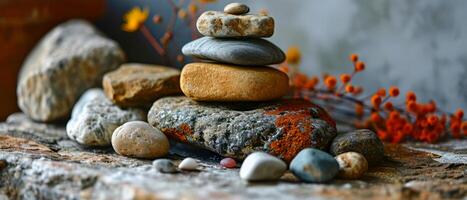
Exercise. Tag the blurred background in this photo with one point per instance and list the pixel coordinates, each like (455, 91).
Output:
(416, 45)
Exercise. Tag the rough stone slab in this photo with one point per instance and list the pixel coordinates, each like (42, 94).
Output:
(219, 24)
(68, 60)
(281, 128)
(33, 172)
(134, 84)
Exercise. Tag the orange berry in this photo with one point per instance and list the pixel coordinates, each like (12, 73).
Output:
(359, 66)
(311, 83)
(330, 82)
(375, 117)
(464, 127)
(193, 8)
(407, 128)
(381, 92)
(412, 106)
(433, 120)
(357, 90)
(388, 106)
(353, 57)
(349, 88)
(459, 113)
(394, 115)
(393, 91)
(299, 80)
(345, 78)
(293, 55)
(376, 101)
(411, 96)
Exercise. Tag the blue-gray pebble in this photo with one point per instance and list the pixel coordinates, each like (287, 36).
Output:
(315, 166)
(250, 51)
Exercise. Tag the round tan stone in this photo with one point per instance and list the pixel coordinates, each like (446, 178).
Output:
(136, 84)
(140, 140)
(222, 82)
(352, 165)
(236, 8)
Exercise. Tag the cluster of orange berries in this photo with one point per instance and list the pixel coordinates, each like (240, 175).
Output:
(419, 121)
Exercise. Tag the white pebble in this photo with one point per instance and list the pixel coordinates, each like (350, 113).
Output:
(188, 164)
(260, 166)
(352, 165)
(236, 9)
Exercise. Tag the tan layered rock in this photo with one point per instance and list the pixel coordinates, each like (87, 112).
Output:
(222, 82)
(219, 24)
(140, 84)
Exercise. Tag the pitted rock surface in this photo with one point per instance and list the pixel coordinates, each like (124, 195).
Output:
(95, 118)
(220, 24)
(69, 59)
(281, 128)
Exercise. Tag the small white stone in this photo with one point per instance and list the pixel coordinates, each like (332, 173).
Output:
(236, 9)
(188, 164)
(260, 166)
(352, 165)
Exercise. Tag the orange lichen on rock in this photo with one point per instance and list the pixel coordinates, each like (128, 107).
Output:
(179, 133)
(295, 119)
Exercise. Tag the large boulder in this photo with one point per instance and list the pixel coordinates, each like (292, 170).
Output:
(68, 60)
(281, 128)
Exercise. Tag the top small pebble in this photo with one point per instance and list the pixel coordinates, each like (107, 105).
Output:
(236, 9)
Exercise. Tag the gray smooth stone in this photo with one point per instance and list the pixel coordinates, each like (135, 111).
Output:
(252, 51)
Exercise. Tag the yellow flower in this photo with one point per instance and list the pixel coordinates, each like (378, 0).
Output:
(134, 18)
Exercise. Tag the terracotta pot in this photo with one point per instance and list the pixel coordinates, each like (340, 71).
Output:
(22, 24)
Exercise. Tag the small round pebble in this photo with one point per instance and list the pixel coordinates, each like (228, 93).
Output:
(189, 164)
(140, 140)
(165, 166)
(362, 141)
(236, 9)
(228, 163)
(352, 165)
(315, 166)
(260, 166)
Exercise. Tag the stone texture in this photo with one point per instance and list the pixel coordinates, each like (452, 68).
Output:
(352, 165)
(219, 24)
(236, 9)
(362, 141)
(315, 166)
(135, 84)
(281, 128)
(140, 140)
(249, 52)
(220, 82)
(94, 119)
(68, 60)
(165, 166)
(260, 166)
(45, 166)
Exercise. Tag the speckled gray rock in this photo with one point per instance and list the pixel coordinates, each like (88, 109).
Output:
(280, 128)
(236, 8)
(313, 165)
(165, 166)
(220, 24)
(70, 59)
(362, 141)
(239, 52)
(94, 119)
(260, 166)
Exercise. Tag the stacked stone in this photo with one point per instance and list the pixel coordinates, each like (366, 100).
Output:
(237, 58)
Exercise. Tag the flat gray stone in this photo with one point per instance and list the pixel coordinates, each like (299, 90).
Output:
(94, 119)
(68, 60)
(239, 52)
(280, 128)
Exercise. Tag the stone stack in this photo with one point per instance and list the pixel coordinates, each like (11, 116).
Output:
(237, 58)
